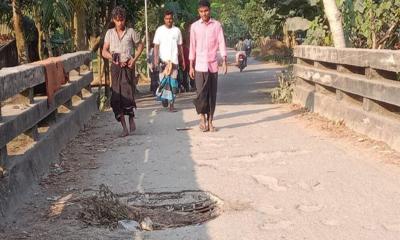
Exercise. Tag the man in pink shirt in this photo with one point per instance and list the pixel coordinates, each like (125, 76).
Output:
(206, 38)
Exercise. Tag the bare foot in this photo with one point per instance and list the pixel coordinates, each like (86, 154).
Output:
(172, 108)
(203, 126)
(211, 127)
(132, 125)
(124, 134)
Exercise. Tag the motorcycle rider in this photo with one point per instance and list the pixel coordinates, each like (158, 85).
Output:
(241, 50)
(247, 45)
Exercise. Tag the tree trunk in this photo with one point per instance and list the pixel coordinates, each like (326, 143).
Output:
(48, 43)
(286, 38)
(374, 40)
(80, 29)
(40, 42)
(22, 47)
(335, 23)
(94, 43)
(38, 25)
(374, 44)
(72, 28)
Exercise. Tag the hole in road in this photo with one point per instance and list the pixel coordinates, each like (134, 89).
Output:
(149, 211)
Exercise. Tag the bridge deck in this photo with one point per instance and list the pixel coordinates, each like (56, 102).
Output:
(282, 173)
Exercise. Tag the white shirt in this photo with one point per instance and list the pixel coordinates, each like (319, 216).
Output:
(247, 42)
(168, 39)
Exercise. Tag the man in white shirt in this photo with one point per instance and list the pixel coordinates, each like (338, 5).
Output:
(167, 46)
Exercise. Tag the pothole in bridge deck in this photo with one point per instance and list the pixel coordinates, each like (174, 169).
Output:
(152, 211)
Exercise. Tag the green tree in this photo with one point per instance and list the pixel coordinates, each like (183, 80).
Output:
(372, 24)
(50, 17)
(260, 21)
(229, 14)
(80, 11)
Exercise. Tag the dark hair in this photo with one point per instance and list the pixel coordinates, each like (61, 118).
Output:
(204, 3)
(118, 12)
(168, 12)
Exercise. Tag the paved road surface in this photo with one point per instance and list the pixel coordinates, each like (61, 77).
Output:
(278, 178)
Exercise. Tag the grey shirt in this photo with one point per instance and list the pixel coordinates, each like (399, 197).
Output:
(124, 45)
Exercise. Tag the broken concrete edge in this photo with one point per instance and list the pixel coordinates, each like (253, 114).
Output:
(388, 60)
(27, 169)
(9, 129)
(14, 80)
(373, 125)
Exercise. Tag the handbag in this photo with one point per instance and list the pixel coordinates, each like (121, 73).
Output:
(164, 91)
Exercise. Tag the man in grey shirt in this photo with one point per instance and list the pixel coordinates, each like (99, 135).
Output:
(119, 45)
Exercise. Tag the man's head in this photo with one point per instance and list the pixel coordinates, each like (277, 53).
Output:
(204, 10)
(119, 17)
(168, 18)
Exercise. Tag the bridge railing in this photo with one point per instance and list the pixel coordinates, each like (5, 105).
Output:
(359, 86)
(21, 111)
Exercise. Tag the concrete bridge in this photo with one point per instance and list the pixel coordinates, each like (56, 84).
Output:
(281, 172)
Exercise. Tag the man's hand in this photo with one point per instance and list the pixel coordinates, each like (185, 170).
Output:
(183, 66)
(224, 67)
(131, 63)
(191, 72)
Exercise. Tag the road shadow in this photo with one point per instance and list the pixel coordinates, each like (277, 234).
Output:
(266, 119)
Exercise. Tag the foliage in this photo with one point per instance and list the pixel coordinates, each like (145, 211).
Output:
(307, 9)
(367, 23)
(260, 21)
(5, 13)
(255, 52)
(283, 60)
(372, 23)
(318, 33)
(142, 63)
(284, 92)
(229, 14)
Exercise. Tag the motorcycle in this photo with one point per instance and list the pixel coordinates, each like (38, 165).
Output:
(242, 62)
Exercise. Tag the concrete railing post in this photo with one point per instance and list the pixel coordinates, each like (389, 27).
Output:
(89, 88)
(68, 104)
(52, 118)
(339, 95)
(79, 94)
(3, 155)
(33, 133)
(28, 96)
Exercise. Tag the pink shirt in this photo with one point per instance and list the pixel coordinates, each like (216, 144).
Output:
(205, 40)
